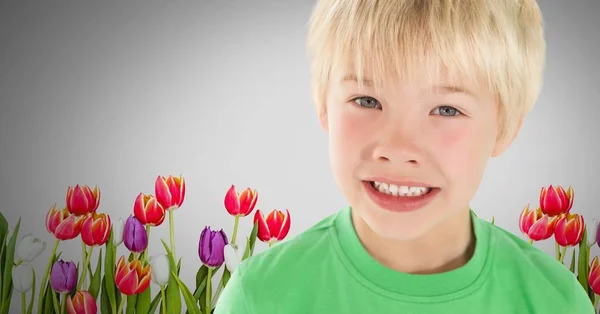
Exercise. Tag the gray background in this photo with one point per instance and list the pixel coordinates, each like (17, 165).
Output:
(115, 93)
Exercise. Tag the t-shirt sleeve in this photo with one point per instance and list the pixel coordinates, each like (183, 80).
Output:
(232, 299)
(581, 301)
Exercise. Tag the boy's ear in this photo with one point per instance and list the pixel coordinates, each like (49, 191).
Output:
(503, 143)
(323, 118)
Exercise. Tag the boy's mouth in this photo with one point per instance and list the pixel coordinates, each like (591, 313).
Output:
(400, 190)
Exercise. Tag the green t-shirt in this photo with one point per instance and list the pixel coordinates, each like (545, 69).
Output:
(325, 269)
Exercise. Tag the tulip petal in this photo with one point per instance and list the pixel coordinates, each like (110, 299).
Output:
(161, 190)
(263, 233)
(285, 226)
(232, 202)
(128, 285)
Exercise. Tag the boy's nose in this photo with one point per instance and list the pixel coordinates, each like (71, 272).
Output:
(398, 147)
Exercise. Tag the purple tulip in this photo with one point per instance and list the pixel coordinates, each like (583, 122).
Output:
(134, 235)
(63, 276)
(211, 247)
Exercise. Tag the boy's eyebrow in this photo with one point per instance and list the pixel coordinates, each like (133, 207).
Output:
(440, 89)
(353, 77)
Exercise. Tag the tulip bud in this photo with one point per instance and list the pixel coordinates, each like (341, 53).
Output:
(117, 227)
(62, 224)
(535, 225)
(95, 229)
(273, 228)
(594, 275)
(160, 269)
(555, 201)
(148, 210)
(131, 278)
(569, 230)
(240, 204)
(29, 248)
(134, 235)
(22, 278)
(81, 200)
(63, 276)
(81, 303)
(211, 246)
(170, 192)
(592, 233)
(232, 259)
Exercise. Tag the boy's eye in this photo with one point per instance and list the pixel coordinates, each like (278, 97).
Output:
(367, 102)
(447, 111)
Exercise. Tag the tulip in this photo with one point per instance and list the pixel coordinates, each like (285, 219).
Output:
(81, 303)
(131, 278)
(148, 210)
(535, 225)
(82, 200)
(117, 227)
(63, 276)
(275, 227)
(134, 235)
(592, 233)
(170, 192)
(22, 278)
(160, 269)
(29, 248)
(62, 224)
(240, 204)
(232, 259)
(95, 229)
(210, 247)
(594, 276)
(555, 201)
(569, 230)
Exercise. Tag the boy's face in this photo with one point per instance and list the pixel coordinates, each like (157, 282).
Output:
(438, 138)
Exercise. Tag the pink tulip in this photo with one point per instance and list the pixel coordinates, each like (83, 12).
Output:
(555, 201)
(170, 192)
(240, 204)
(81, 200)
(62, 224)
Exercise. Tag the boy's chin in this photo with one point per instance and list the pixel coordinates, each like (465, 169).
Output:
(397, 228)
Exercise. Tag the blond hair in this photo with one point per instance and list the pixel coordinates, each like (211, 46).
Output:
(498, 43)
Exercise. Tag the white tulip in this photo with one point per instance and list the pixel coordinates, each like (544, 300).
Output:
(232, 259)
(159, 267)
(117, 227)
(22, 278)
(29, 248)
(592, 230)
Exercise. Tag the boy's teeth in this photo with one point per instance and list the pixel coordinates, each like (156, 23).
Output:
(400, 190)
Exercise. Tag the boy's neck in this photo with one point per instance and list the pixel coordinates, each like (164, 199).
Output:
(449, 246)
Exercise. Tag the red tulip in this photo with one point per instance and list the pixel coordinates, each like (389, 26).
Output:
(569, 229)
(275, 227)
(148, 210)
(594, 276)
(555, 201)
(535, 225)
(82, 200)
(95, 229)
(62, 224)
(240, 204)
(170, 192)
(81, 303)
(131, 278)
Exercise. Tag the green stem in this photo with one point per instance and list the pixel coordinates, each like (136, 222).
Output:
(271, 243)
(235, 229)
(164, 300)
(23, 304)
(83, 255)
(596, 300)
(208, 290)
(145, 253)
(85, 266)
(121, 304)
(64, 304)
(46, 274)
(171, 234)
(557, 250)
(17, 264)
(562, 254)
(55, 301)
(530, 241)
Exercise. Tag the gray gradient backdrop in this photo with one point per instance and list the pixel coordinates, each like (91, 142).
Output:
(115, 93)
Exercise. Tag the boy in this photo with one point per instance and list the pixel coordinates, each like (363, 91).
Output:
(415, 96)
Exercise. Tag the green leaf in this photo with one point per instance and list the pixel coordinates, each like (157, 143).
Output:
(200, 289)
(109, 269)
(190, 302)
(250, 242)
(572, 268)
(225, 277)
(493, 219)
(8, 267)
(582, 265)
(155, 302)
(2, 255)
(6, 305)
(131, 301)
(173, 293)
(143, 301)
(96, 278)
(201, 274)
(30, 307)
(48, 299)
(178, 266)
(105, 306)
